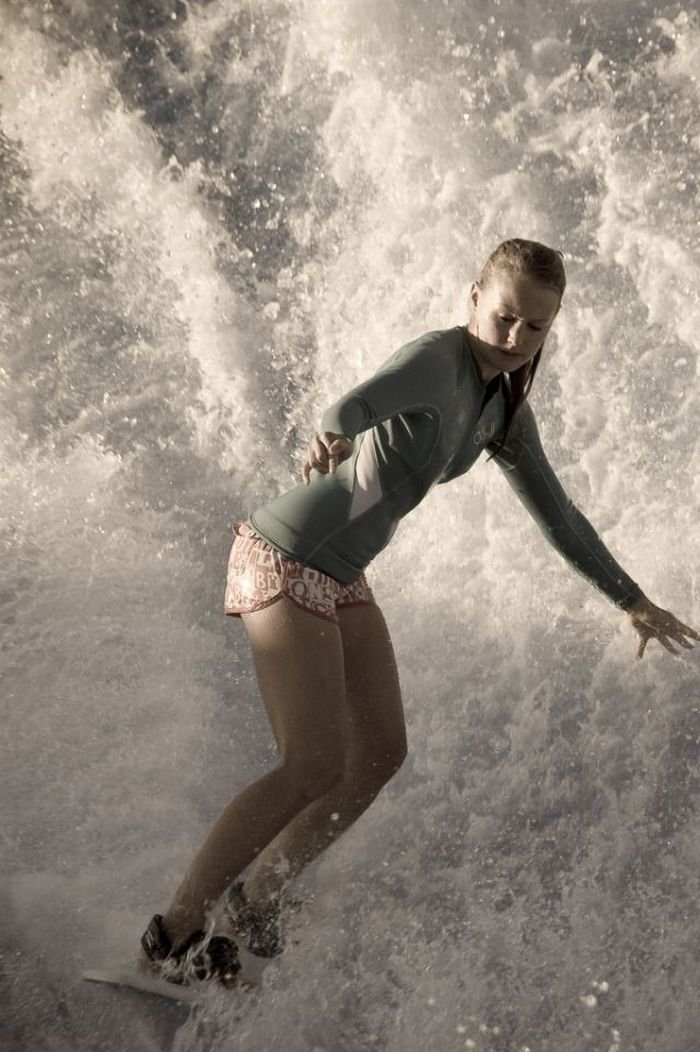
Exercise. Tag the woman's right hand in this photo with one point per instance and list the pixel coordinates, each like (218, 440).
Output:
(324, 452)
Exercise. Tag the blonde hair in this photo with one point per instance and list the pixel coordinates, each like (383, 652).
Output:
(529, 258)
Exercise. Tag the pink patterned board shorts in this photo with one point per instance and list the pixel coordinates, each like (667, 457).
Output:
(258, 575)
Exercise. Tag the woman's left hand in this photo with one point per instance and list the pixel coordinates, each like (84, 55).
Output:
(651, 622)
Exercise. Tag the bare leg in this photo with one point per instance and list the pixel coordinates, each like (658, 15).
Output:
(376, 749)
(299, 665)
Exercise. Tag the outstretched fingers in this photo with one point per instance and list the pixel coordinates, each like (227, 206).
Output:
(678, 632)
(665, 642)
(646, 636)
(664, 627)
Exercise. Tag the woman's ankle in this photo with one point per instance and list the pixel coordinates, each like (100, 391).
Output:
(179, 928)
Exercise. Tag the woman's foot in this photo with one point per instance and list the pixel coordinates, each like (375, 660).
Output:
(199, 957)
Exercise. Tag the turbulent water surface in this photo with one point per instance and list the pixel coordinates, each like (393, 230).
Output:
(216, 217)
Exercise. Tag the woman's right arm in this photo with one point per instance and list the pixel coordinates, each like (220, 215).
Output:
(420, 376)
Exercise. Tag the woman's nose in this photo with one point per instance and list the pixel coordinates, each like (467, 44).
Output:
(516, 334)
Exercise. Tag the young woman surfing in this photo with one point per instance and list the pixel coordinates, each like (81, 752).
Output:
(322, 653)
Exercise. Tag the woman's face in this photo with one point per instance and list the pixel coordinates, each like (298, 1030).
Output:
(510, 317)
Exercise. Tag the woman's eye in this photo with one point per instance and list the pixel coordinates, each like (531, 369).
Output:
(536, 328)
(506, 317)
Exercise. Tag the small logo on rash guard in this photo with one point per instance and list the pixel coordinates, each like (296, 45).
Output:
(484, 434)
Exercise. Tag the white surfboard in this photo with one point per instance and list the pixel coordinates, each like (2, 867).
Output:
(129, 975)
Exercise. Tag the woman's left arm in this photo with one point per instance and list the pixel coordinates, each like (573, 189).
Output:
(530, 475)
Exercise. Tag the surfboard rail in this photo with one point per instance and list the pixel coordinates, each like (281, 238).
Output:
(129, 976)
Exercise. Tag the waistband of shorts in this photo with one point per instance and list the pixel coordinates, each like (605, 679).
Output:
(247, 532)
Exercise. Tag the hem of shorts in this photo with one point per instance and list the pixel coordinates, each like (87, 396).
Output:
(283, 595)
(260, 606)
(356, 602)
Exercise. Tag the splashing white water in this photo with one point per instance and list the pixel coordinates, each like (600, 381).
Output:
(217, 218)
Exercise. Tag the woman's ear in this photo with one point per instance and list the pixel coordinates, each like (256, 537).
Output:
(474, 292)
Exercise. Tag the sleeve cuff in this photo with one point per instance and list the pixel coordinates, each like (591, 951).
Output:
(631, 599)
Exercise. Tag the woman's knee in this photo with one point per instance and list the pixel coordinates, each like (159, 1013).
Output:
(369, 771)
(309, 777)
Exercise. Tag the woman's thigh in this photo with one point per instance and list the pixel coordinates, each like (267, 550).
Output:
(377, 744)
(299, 664)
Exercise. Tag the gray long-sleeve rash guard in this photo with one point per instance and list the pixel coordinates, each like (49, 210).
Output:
(422, 419)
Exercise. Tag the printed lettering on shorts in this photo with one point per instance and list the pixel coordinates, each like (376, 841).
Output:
(311, 589)
(258, 574)
(264, 574)
(359, 592)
